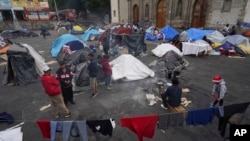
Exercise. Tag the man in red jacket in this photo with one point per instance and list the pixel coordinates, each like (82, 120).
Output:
(52, 88)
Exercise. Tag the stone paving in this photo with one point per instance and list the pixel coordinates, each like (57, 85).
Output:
(127, 99)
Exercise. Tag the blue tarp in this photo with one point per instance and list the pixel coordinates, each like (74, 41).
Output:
(169, 32)
(89, 33)
(63, 40)
(150, 37)
(194, 34)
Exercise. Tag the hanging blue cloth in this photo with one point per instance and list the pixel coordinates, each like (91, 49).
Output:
(200, 117)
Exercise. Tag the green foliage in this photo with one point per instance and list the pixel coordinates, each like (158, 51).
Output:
(100, 7)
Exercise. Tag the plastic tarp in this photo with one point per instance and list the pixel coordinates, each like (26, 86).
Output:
(129, 68)
(89, 33)
(203, 42)
(21, 68)
(163, 48)
(215, 36)
(63, 40)
(39, 60)
(77, 30)
(240, 41)
(169, 32)
(194, 34)
(81, 77)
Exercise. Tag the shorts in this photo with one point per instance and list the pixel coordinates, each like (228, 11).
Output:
(93, 81)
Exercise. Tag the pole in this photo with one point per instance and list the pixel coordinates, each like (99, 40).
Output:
(15, 21)
(56, 10)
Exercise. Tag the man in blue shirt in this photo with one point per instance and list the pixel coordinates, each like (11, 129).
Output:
(172, 96)
(93, 70)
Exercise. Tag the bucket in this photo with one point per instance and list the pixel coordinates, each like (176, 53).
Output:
(222, 51)
(231, 53)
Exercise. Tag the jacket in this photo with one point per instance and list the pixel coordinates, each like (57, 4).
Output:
(220, 89)
(173, 93)
(106, 67)
(50, 85)
(64, 76)
(93, 69)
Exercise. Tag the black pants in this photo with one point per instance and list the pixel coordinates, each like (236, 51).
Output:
(220, 103)
(67, 94)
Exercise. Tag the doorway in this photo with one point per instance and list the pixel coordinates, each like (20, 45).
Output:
(161, 14)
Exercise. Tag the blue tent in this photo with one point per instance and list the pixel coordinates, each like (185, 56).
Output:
(89, 33)
(64, 40)
(169, 32)
(194, 34)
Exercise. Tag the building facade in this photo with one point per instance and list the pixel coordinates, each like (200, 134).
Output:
(181, 13)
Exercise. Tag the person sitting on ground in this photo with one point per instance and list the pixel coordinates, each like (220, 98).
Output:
(172, 96)
(233, 31)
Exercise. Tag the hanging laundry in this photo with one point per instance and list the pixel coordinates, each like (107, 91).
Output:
(230, 110)
(44, 126)
(105, 127)
(171, 120)
(11, 135)
(4, 116)
(75, 129)
(200, 117)
(143, 126)
(55, 126)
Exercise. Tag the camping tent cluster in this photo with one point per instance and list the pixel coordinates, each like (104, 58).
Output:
(8, 34)
(195, 41)
(123, 36)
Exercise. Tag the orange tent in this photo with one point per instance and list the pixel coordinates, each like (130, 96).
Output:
(247, 33)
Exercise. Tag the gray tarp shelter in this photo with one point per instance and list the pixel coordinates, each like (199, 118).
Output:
(20, 68)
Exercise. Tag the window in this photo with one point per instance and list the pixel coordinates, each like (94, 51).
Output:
(146, 12)
(227, 6)
(114, 13)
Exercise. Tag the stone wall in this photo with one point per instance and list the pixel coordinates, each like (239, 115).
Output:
(31, 25)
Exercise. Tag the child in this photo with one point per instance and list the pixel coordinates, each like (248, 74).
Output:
(106, 70)
(219, 90)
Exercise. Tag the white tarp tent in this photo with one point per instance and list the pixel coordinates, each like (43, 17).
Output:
(215, 36)
(163, 48)
(129, 68)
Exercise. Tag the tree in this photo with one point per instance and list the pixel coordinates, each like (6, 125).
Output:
(98, 7)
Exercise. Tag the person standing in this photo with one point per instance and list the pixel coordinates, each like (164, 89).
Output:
(93, 70)
(65, 75)
(106, 70)
(43, 32)
(52, 88)
(172, 96)
(219, 90)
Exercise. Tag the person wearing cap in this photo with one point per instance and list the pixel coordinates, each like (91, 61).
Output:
(93, 70)
(52, 88)
(219, 90)
(65, 75)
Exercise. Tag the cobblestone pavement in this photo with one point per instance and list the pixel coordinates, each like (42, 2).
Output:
(128, 99)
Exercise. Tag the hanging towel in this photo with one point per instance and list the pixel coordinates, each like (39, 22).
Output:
(44, 126)
(171, 120)
(75, 129)
(200, 117)
(143, 126)
(55, 126)
(105, 127)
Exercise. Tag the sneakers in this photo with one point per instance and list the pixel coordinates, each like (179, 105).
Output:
(94, 95)
(57, 116)
(68, 115)
(163, 107)
(108, 88)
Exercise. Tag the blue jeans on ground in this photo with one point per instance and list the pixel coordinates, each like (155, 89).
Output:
(107, 80)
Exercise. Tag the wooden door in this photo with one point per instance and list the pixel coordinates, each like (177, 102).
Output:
(136, 14)
(199, 13)
(161, 13)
